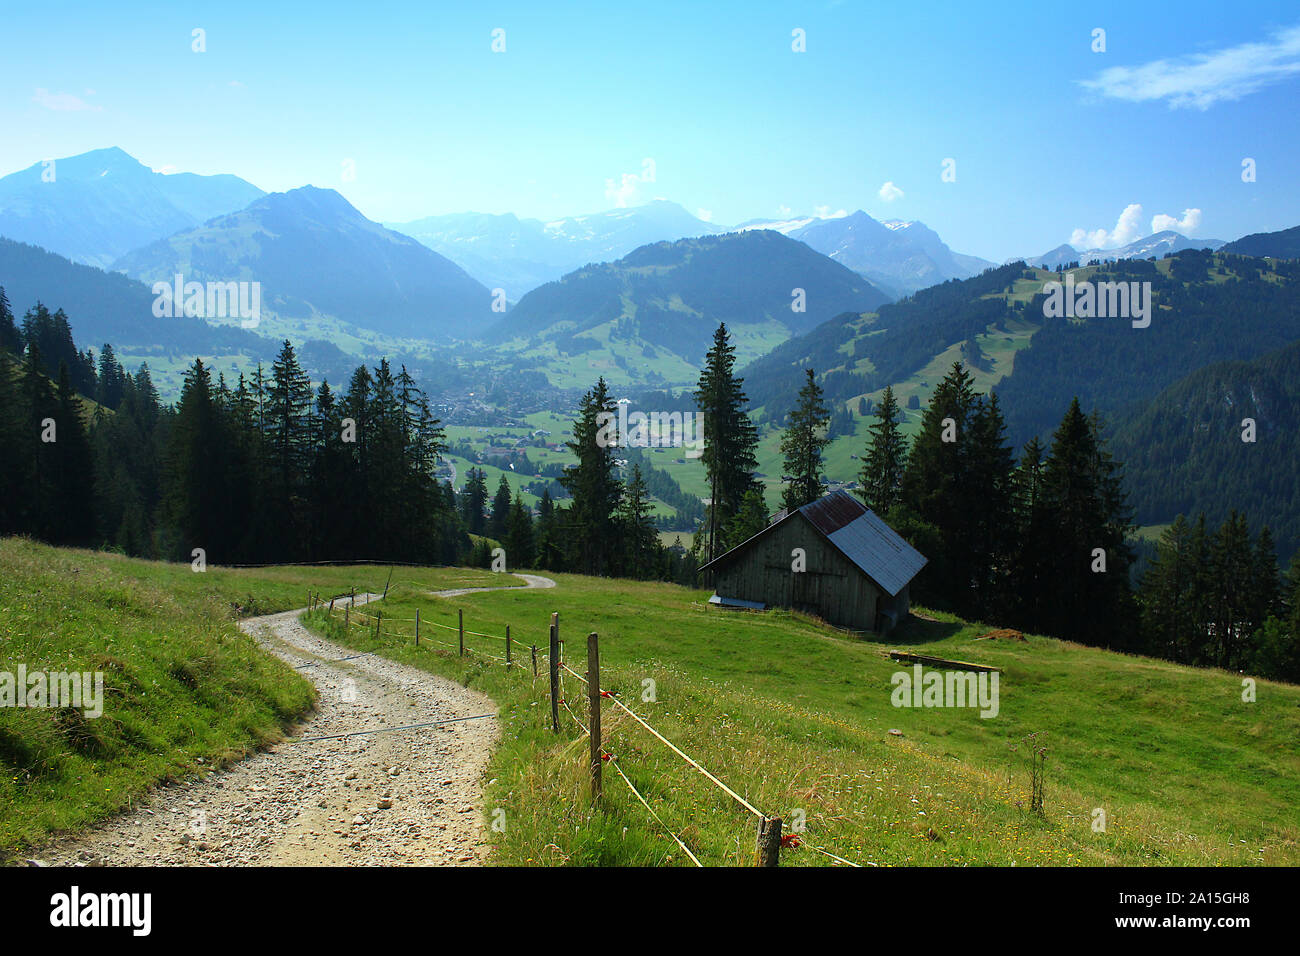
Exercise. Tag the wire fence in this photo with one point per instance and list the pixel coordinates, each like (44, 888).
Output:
(356, 618)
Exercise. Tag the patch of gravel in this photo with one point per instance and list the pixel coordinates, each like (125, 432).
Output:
(386, 799)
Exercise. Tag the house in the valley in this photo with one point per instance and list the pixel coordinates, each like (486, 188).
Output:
(833, 557)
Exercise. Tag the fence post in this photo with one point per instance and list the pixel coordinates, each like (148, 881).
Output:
(388, 582)
(417, 627)
(460, 619)
(555, 672)
(534, 660)
(593, 694)
(347, 618)
(507, 647)
(769, 841)
(331, 607)
(379, 619)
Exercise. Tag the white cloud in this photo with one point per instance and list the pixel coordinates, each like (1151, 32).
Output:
(1191, 219)
(824, 212)
(1125, 231)
(61, 102)
(705, 214)
(623, 192)
(784, 212)
(1203, 79)
(889, 192)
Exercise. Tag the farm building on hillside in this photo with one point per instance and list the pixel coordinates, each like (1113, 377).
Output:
(853, 570)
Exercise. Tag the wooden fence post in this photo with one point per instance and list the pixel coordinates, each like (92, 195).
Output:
(593, 695)
(534, 660)
(388, 582)
(417, 627)
(507, 647)
(460, 618)
(769, 841)
(331, 607)
(555, 672)
(378, 620)
(347, 618)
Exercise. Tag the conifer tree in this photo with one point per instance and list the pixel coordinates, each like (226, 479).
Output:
(500, 517)
(1083, 493)
(802, 444)
(73, 522)
(518, 538)
(474, 501)
(881, 476)
(636, 528)
(590, 527)
(730, 439)
(751, 519)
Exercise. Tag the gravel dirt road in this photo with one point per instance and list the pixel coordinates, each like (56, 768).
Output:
(404, 797)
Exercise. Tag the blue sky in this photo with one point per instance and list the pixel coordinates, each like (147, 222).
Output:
(1050, 138)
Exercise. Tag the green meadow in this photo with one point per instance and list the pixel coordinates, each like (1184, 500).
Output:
(793, 715)
(796, 717)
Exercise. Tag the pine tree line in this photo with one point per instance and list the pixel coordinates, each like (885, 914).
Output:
(1044, 543)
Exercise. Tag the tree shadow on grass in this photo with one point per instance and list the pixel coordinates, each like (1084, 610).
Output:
(914, 630)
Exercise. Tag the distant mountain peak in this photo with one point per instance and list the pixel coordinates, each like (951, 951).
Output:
(98, 205)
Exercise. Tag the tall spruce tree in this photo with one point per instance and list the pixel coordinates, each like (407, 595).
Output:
(499, 520)
(936, 490)
(730, 439)
(802, 444)
(474, 501)
(1090, 524)
(518, 539)
(880, 478)
(640, 541)
(591, 533)
(11, 339)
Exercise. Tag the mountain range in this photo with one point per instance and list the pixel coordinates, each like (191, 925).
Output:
(1157, 244)
(670, 296)
(99, 205)
(518, 255)
(898, 257)
(315, 255)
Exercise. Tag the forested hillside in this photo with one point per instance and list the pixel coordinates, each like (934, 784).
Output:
(1192, 449)
(856, 353)
(1208, 307)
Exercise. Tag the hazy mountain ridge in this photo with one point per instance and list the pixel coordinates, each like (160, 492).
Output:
(314, 253)
(1283, 244)
(1157, 244)
(103, 203)
(672, 295)
(518, 255)
(110, 307)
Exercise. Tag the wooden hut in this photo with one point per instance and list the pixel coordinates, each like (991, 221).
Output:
(833, 557)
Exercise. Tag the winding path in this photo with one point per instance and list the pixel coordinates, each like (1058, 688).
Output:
(405, 797)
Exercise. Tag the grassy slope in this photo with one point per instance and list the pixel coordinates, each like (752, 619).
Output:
(795, 716)
(182, 683)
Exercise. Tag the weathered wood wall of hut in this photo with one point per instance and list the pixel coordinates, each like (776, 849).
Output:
(831, 586)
